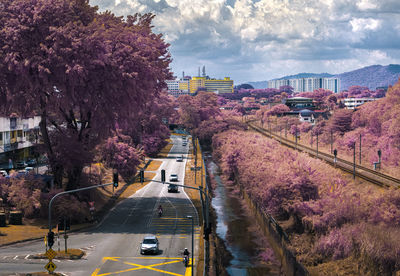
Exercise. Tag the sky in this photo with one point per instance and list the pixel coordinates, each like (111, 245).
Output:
(256, 40)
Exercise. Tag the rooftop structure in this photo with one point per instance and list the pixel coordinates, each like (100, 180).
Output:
(353, 103)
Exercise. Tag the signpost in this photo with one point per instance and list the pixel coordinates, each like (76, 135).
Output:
(50, 266)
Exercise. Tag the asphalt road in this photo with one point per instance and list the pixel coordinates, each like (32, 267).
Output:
(113, 246)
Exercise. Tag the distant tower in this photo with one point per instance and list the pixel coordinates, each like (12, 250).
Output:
(183, 74)
(204, 70)
(199, 72)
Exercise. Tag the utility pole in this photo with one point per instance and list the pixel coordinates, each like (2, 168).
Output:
(317, 144)
(360, 148)
(354, 160)
(286, 129)
(331, 141)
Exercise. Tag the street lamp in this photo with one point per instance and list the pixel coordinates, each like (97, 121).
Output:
(191, 217)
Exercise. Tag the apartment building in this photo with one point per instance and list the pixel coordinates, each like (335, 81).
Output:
(178, 87)
(16, 137)
(307, 84)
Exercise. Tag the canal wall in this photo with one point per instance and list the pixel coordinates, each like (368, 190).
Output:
(276, 237)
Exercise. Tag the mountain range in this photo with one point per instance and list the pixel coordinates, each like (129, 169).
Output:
(371, 76)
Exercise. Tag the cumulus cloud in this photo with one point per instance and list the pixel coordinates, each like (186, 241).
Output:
(262, 39)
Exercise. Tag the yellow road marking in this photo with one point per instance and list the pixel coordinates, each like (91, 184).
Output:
(138, 266)
(95, 272)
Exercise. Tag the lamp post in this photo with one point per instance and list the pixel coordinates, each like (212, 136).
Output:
(191, 217)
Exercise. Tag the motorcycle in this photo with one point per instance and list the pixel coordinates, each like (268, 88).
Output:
(186, 260)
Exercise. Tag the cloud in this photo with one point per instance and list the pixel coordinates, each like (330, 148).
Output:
(259, 39)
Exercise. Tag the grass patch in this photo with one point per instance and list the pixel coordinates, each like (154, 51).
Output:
(72, 254)
(135, 186)
(154, 165)
(35, 274)
(165, 151)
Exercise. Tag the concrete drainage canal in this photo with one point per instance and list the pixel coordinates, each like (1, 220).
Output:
(249, 250)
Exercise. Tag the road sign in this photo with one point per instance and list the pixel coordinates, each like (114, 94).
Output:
(50, 266)
(50, 254)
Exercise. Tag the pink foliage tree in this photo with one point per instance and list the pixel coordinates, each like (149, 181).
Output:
(121, 155)
(80, 71)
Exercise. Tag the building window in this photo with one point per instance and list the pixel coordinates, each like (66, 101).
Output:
(13, 123)
(13, 134)
(1, 136)
(19, 133)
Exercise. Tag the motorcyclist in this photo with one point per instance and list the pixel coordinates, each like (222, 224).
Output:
(186, 254)
(160, 210)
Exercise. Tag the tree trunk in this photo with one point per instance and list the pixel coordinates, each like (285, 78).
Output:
(74, 177)
(57, 169)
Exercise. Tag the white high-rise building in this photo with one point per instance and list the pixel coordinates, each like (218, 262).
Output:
(307, 84)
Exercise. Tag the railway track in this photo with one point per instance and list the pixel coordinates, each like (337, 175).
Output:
(370, 175)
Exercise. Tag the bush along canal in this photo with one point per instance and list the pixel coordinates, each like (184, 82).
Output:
(251, 255)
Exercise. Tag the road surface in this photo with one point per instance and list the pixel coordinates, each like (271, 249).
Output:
(113, 246)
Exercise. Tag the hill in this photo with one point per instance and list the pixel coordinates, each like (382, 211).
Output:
(371, 76)
(306, 75)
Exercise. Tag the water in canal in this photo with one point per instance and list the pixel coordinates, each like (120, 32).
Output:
(234, 227)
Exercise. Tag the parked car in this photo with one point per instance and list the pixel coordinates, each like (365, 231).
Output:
(20, 164)
(173, 177)
(3, 173)
(29, 169)
(172, 188)
(149, 245)
(179, 158)
(31, 162)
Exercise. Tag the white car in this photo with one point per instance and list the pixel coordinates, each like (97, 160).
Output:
(173, 177)
(179, 158)
(3, 173)
(149, 245)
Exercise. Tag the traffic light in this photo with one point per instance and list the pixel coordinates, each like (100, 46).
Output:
(63, 221)
(60, 223)
(115, 179)
(50, 238)
(141, 176)
(163, 175)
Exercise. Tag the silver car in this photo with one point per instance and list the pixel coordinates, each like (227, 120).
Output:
(173, 177)
(179, 158)
(149, 245)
